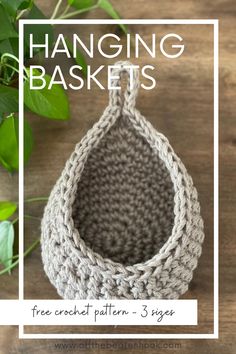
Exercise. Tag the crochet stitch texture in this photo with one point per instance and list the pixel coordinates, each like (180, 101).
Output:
(123, 220)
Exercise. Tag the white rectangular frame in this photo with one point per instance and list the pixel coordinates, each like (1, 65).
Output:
(215, 333)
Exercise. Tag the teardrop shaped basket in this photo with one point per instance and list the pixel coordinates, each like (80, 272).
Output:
(123, 220)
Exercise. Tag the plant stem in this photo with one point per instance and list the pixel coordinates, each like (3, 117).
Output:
(5, 82)
(26, 216)
(8, 55)
(78, 12)
(8, 259)
(15, 220)
(14, 69)
(26, 253)
(5, 270)
(37, 199)
(20, 14)
(32, 247)
(55, 12)
(66, 10)
(31, 217)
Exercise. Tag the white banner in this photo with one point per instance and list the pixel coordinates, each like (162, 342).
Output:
(98, 312)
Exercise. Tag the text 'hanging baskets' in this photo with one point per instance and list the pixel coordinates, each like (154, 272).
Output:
(123, 220)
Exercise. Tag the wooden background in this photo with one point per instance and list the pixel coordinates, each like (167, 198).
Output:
(181, 107)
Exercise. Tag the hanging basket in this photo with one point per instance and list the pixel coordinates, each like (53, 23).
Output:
(123, 220)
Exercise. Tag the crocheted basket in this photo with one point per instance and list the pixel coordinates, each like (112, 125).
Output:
(123, 220)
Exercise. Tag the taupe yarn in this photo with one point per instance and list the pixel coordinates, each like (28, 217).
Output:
(123, 220)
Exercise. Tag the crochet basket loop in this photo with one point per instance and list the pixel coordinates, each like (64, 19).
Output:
(131, 92)
(123, 220)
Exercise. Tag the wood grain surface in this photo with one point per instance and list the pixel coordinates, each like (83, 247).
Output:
(181, 107)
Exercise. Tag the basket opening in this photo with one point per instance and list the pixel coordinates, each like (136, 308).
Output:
(125, 198)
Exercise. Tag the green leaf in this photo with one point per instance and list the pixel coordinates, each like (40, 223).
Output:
(7, 209)
(13, 5)
(9, 146)
(6, 243)
(82, 4)
(28, 138)
(9, 45)
(51, 103)
(25, 4)
(38, 31)
(102, 4)
(7, 29)
(80, 59)
(8, 99)
(109, 9)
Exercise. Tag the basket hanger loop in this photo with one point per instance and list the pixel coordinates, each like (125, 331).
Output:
(128, 99)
